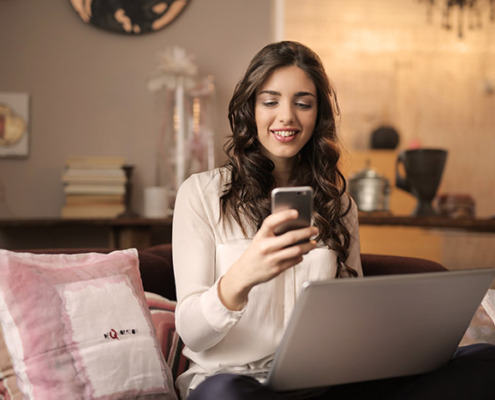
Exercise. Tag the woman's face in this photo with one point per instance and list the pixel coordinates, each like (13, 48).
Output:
(286, 109)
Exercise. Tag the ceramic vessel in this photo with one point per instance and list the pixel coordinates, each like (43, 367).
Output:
(423, 173)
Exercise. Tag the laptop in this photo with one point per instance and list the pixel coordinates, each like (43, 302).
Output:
(351, 330)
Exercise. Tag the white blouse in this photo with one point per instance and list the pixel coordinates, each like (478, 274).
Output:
(216, 338)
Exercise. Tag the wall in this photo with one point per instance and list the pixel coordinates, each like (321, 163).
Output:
(88, 86)
(390, 65)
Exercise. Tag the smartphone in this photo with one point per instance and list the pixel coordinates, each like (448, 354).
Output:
(299, 198)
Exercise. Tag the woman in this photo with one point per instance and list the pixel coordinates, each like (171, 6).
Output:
(236, 280)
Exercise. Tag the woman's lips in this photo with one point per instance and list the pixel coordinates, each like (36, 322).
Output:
(285, 135)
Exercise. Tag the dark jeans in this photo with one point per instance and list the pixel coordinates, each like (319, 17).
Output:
(469, 375)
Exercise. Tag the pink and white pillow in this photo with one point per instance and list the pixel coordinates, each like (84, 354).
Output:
(8, 381)
(78, 326)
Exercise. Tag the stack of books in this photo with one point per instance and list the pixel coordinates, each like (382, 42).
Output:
(94, 187)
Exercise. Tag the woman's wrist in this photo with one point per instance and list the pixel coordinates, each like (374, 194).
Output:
(232, 295)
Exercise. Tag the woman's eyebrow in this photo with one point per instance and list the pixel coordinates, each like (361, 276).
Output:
(302, 94)
(275, 93)
(272, 92)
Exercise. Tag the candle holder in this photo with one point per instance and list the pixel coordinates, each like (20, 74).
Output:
(128, 212)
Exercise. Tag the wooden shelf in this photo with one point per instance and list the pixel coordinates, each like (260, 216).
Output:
(123, 232)
(136, 232)
(436, 222)
(35, 222)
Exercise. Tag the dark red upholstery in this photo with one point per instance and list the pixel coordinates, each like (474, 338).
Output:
(379, 264)
(158, 275)
(157, 272)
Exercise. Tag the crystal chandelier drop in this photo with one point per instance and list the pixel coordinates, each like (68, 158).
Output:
(461, 13)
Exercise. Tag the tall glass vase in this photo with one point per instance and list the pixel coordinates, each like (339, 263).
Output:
(185, 143)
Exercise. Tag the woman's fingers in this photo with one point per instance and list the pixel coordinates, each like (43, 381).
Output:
(272, 243)
(294, 236)
(273, 220)
(298, 236)
(291, 253)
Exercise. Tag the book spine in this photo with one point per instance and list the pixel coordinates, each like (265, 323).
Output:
(92, 211)
(94, 189)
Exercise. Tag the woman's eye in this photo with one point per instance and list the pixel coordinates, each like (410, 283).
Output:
(269, 103)
(303, 106)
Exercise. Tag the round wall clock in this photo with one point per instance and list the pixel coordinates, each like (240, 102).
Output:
(131, 17)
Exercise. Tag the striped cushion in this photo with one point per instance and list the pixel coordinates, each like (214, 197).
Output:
(163, 316)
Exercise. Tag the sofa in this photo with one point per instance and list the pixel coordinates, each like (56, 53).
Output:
(154, 270)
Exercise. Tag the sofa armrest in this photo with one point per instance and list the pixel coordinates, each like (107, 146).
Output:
(380, 264)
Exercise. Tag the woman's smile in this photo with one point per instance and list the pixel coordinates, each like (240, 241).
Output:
(285, 135)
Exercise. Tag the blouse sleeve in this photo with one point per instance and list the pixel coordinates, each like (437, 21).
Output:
(201, 318)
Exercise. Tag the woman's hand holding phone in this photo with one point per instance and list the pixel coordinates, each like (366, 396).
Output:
(268, 255)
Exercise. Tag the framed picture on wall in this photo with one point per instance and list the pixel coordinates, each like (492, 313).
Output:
(14, 125)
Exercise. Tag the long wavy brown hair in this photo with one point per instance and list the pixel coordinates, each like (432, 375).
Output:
(247, 197)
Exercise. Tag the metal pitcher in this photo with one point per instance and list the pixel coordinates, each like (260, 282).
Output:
(370, 190)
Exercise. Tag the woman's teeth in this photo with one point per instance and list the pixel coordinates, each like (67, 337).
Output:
(285, 133)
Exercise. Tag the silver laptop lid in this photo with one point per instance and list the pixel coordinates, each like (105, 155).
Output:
(358, 329)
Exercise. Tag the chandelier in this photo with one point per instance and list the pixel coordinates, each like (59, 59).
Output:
(462, 13)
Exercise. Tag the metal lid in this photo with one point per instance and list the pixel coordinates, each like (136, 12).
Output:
(367, 173)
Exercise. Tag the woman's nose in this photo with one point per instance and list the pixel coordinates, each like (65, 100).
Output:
(286, 114)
